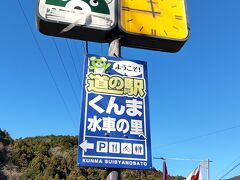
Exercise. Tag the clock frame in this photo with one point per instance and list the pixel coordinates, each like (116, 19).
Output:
(156, 25)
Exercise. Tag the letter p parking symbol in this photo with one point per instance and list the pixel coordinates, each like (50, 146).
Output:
(102, 146)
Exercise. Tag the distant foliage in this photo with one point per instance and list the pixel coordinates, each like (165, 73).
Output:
(235, 178)
(50, 157)
(54, 158)
(5, 138)
(5, 142)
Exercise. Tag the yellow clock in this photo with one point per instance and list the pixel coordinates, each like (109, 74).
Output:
(154, 24)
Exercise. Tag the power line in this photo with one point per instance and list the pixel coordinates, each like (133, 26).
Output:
(74, 64)
(180, 159)
(87, 47)
(65, 70)
(102, 49)
(221, 178)
(228, 166)
(83, 47)
(200, 136)
(47, 65)
(77, 51)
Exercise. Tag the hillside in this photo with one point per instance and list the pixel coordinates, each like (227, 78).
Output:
(53, 158)
(235, 178)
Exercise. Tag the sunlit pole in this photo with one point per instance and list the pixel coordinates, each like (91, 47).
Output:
(208, 169)
(205, 164)
(114, 50)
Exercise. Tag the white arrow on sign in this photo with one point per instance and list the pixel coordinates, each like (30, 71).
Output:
(85, 146)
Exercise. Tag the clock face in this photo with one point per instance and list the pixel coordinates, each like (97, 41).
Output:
(158, 18)
(90, 13)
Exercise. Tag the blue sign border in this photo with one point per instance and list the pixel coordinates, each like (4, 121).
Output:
(104, 160)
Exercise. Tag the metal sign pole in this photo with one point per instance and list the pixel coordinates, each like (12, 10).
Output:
(208, 169)
(114, 50)
(113, 174)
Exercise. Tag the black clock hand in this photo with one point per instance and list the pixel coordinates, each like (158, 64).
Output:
(139, 10)
(153, 13)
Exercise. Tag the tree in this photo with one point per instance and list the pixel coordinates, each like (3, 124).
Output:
(54, 157)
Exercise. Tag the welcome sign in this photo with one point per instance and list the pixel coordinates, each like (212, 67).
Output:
(114, 127)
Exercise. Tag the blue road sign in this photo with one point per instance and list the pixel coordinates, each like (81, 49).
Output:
(114, 127)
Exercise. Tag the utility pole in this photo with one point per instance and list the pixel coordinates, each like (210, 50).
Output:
(208, 169)
(204, 163)
(114, 50)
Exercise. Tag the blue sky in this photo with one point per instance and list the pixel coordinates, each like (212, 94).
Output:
(192, 93)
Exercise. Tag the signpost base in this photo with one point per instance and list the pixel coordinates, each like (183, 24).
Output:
(113, 174)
